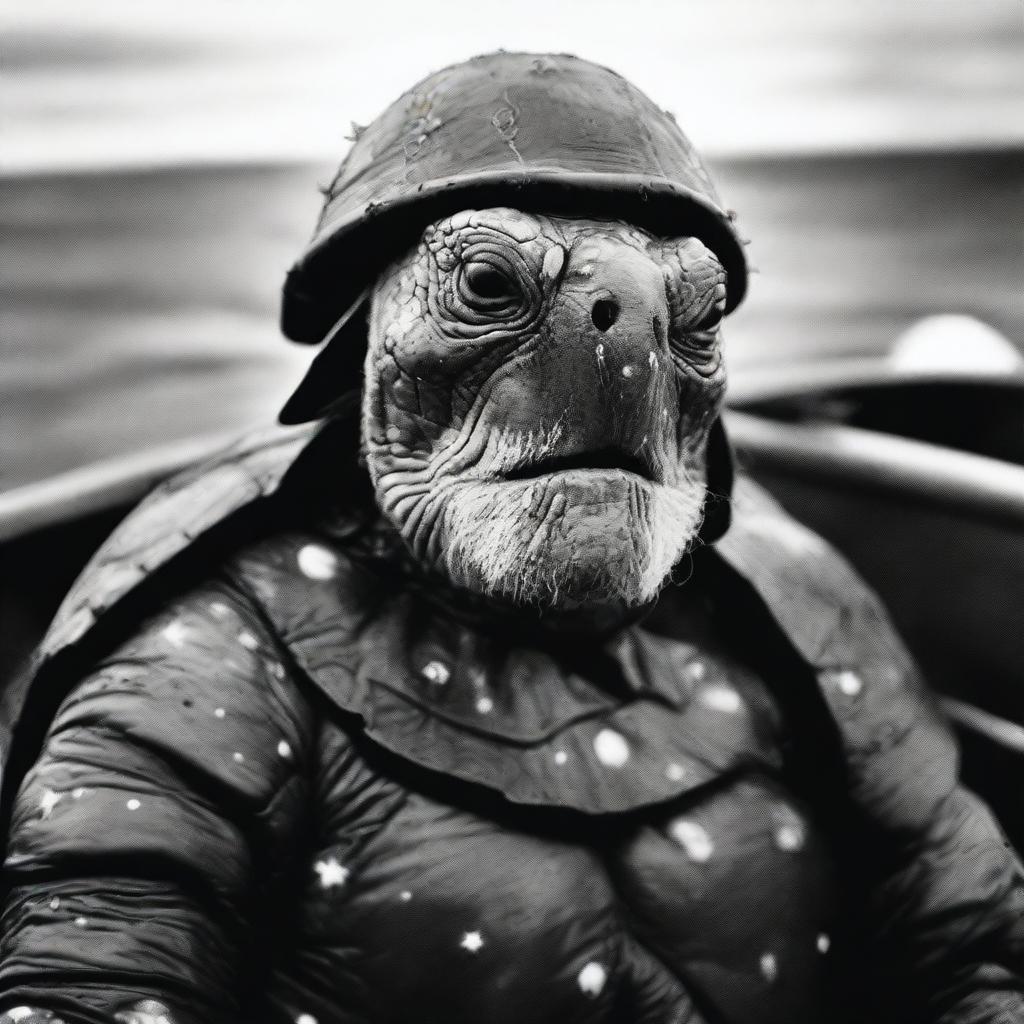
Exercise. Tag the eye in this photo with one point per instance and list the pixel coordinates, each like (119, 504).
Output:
(695, 285)
(696, 309)
(492, 286)
(707, 312)
(711, 320)
(486, 281)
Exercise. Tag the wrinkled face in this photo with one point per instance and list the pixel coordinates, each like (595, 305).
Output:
(539, 392)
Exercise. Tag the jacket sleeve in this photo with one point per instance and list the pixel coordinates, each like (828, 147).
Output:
(956, 894)
(944, 891)
(149, 842)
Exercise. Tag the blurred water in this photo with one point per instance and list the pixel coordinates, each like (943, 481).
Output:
(140, 307)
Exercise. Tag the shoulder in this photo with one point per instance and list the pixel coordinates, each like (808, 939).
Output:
(185, 745)
(900, 755)
(203, 685)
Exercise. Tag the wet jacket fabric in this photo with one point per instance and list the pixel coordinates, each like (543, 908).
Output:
(300, 782)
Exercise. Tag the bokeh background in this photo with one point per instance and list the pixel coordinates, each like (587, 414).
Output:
(160, 164)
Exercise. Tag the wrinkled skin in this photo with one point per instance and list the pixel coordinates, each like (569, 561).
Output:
(539, 393)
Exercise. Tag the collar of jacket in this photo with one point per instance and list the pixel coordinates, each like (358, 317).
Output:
(624, 721)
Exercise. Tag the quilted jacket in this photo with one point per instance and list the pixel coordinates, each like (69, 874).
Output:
(268, 771)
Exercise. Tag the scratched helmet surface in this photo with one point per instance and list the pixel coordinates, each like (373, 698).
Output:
(548, 133)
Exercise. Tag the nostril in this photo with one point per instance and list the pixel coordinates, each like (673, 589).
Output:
(604, 313)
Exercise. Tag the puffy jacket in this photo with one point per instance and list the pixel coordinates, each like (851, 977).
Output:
(269, 772)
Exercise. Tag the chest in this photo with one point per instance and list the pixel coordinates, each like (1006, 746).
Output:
(416, 903)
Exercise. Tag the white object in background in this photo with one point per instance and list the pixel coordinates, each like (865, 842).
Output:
(955, 343)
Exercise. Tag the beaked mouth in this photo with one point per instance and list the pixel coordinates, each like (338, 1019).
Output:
(598, 459)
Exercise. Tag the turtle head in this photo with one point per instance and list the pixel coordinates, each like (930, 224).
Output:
(539, 393)
(541, 384)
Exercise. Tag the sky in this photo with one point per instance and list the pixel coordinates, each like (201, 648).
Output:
(115, 83)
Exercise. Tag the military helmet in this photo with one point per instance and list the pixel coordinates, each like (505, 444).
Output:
(548, 133)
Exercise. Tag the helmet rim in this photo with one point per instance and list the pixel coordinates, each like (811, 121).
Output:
(323, 284)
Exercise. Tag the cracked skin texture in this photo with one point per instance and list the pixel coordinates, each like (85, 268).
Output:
(539, 392)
